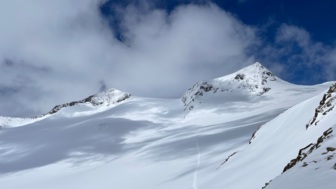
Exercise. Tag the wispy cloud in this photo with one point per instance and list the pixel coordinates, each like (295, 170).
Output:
(294, 53)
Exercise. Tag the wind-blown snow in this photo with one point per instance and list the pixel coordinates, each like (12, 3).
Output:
(150, 143)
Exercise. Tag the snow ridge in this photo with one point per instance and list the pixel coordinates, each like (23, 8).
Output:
(102, 99)
(105, 98)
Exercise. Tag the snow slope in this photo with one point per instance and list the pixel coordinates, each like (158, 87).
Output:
(287, 139)
(316, 167)
(157, 143)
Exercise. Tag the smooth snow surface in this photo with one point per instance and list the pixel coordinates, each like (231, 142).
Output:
(159, 144)
(197, 166)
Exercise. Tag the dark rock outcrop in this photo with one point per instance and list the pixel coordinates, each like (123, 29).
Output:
(326, 105)
(227, 159)
(266, 184)
(305, 151)
(330, 149)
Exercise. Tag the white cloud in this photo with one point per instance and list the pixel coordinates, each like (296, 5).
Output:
(56, 51)
(192, 43)
(294, 34)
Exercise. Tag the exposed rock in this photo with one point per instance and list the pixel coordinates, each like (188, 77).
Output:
(326, 105)
(254, 134)
(240, 76)
(301, 156)
(108, 97)
(265, 90)
(304, 152)
(327, 132)
(331, 149)
(330, 157)
(227, 159)
(266, 184)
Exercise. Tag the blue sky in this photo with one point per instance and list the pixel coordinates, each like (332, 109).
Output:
(314, 16)
(52, 52)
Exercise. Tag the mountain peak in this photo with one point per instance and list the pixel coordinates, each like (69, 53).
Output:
(256, 73)
(258, 64)
(255, 67)
(254, 80)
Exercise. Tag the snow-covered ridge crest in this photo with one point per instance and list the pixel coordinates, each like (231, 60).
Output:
(105, 98)
(254, 79)
(92, 104)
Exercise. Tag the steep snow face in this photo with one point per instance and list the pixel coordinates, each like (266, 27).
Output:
(90, 105)
(283, 144)
(315, 165)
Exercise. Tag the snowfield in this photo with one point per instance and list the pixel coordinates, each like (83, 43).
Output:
(116, 140)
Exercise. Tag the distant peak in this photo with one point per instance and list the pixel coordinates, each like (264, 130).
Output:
(107, 98)
(256, 73)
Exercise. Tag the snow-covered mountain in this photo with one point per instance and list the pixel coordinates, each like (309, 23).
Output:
(105, 98)
(252, 80)
(92, 104)
(238, 131)
(254, 83)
